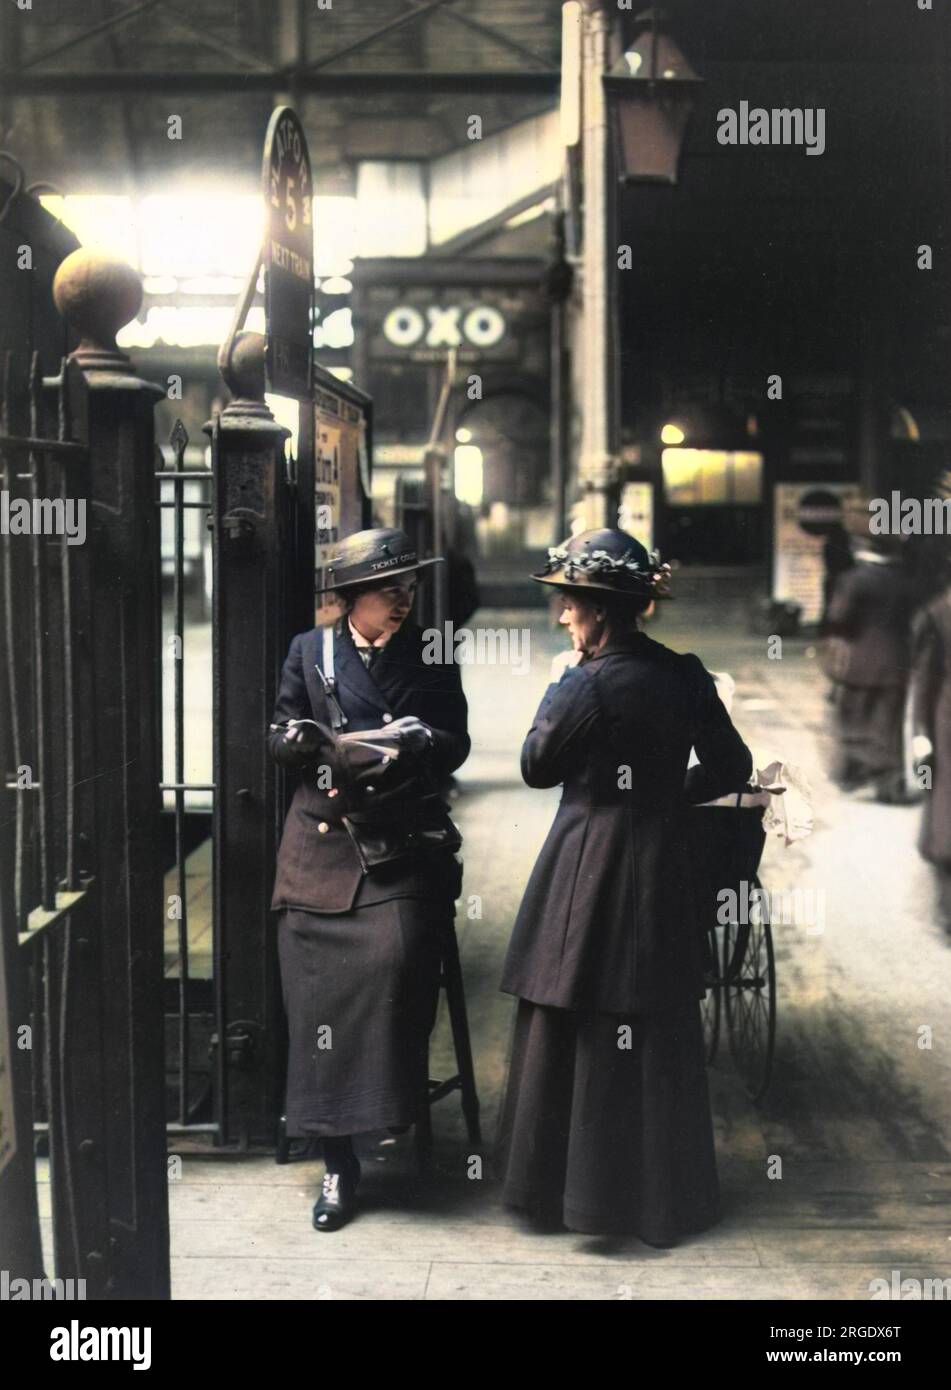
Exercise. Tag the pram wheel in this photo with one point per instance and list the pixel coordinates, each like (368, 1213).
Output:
(749, 988)
(710, 1006)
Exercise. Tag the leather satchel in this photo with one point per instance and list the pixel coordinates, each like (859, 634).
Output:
(390, 815)
(387, 836)
(386, 822)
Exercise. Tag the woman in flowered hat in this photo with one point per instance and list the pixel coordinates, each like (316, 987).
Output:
(606, 1123)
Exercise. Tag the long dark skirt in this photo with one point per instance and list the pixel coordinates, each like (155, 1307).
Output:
(360, 992)
(613, 1139)
(869, 732)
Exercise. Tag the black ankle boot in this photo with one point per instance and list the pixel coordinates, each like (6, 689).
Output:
(337, 1201)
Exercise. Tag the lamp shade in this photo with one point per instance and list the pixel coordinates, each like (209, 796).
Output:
(650, 91)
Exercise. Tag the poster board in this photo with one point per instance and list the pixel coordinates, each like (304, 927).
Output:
(341, 481)
(802, 513)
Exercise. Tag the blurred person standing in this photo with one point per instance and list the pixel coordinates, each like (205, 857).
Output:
(866, 653)
(836, 560)
(931, 715)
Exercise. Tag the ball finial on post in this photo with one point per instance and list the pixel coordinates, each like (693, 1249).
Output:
(97, 294)
(241, 363)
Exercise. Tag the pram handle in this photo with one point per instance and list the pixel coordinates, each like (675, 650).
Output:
(746, 799)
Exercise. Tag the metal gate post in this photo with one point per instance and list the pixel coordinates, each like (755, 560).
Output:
(97, 296)
(258, 604)
(19, 1215)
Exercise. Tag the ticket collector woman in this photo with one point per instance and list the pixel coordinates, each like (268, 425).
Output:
(361, 905)
(606, 1123)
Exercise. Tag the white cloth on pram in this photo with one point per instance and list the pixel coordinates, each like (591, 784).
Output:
(780, 788)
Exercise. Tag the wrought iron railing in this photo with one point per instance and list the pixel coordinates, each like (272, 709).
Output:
(45, 664)
(182, 490)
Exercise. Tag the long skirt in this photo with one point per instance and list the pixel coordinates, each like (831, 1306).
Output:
(360, 992)
(611, 1138)
(869, 732)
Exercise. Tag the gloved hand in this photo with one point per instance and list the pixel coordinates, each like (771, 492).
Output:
(413, 734)
(563, 662)
(303, 735)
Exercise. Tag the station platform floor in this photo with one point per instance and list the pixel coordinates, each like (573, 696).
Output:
(858, 1112)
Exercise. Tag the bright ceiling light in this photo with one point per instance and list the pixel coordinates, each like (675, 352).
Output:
(468, 474)
(672, 434)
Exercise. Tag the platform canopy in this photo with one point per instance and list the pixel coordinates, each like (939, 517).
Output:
(89, 89)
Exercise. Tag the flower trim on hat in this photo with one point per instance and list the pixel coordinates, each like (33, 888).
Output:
(600, 563)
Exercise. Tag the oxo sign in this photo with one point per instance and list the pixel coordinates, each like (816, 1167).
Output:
(438, 326)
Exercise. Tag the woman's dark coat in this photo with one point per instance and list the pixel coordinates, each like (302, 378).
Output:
(318, 869)
(867, 655)
(606, 923)
(931, 687)
(869, 625)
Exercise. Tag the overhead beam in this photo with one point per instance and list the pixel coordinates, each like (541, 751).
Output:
(472, 236)
(111, 23)
(11, 29)
(291, 32)
(413, 16)
(487, 31)
(215, 44)
(422, 83)
(134, 172)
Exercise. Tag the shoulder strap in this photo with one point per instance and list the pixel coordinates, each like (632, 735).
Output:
(328, 680)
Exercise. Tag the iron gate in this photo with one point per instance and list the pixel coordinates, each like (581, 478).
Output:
(270, 520)
(80, 931)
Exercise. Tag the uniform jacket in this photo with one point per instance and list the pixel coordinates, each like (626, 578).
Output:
(317, 865)
(931, 696)
(869, 625)
(606, 922)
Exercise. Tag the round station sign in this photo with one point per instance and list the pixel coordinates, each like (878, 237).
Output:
(288, 254)
(818, 510)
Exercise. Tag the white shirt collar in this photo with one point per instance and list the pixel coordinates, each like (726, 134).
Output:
(360, 641)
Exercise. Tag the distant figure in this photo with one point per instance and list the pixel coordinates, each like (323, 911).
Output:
(836, 559)
(867, 656)
(927, 565)
(463, 587)
(464, 596)
(931, 691)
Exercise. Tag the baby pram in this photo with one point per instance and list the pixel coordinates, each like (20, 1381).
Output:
(726, 842)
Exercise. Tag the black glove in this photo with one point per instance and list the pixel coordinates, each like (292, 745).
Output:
(304, 735)
(413, 734)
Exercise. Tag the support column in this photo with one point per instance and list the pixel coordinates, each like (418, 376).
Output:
(597, 464)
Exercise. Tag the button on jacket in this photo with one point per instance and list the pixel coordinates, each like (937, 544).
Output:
(606, 923)
(317, 866)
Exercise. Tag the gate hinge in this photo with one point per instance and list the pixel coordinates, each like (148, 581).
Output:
(239, 1044)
